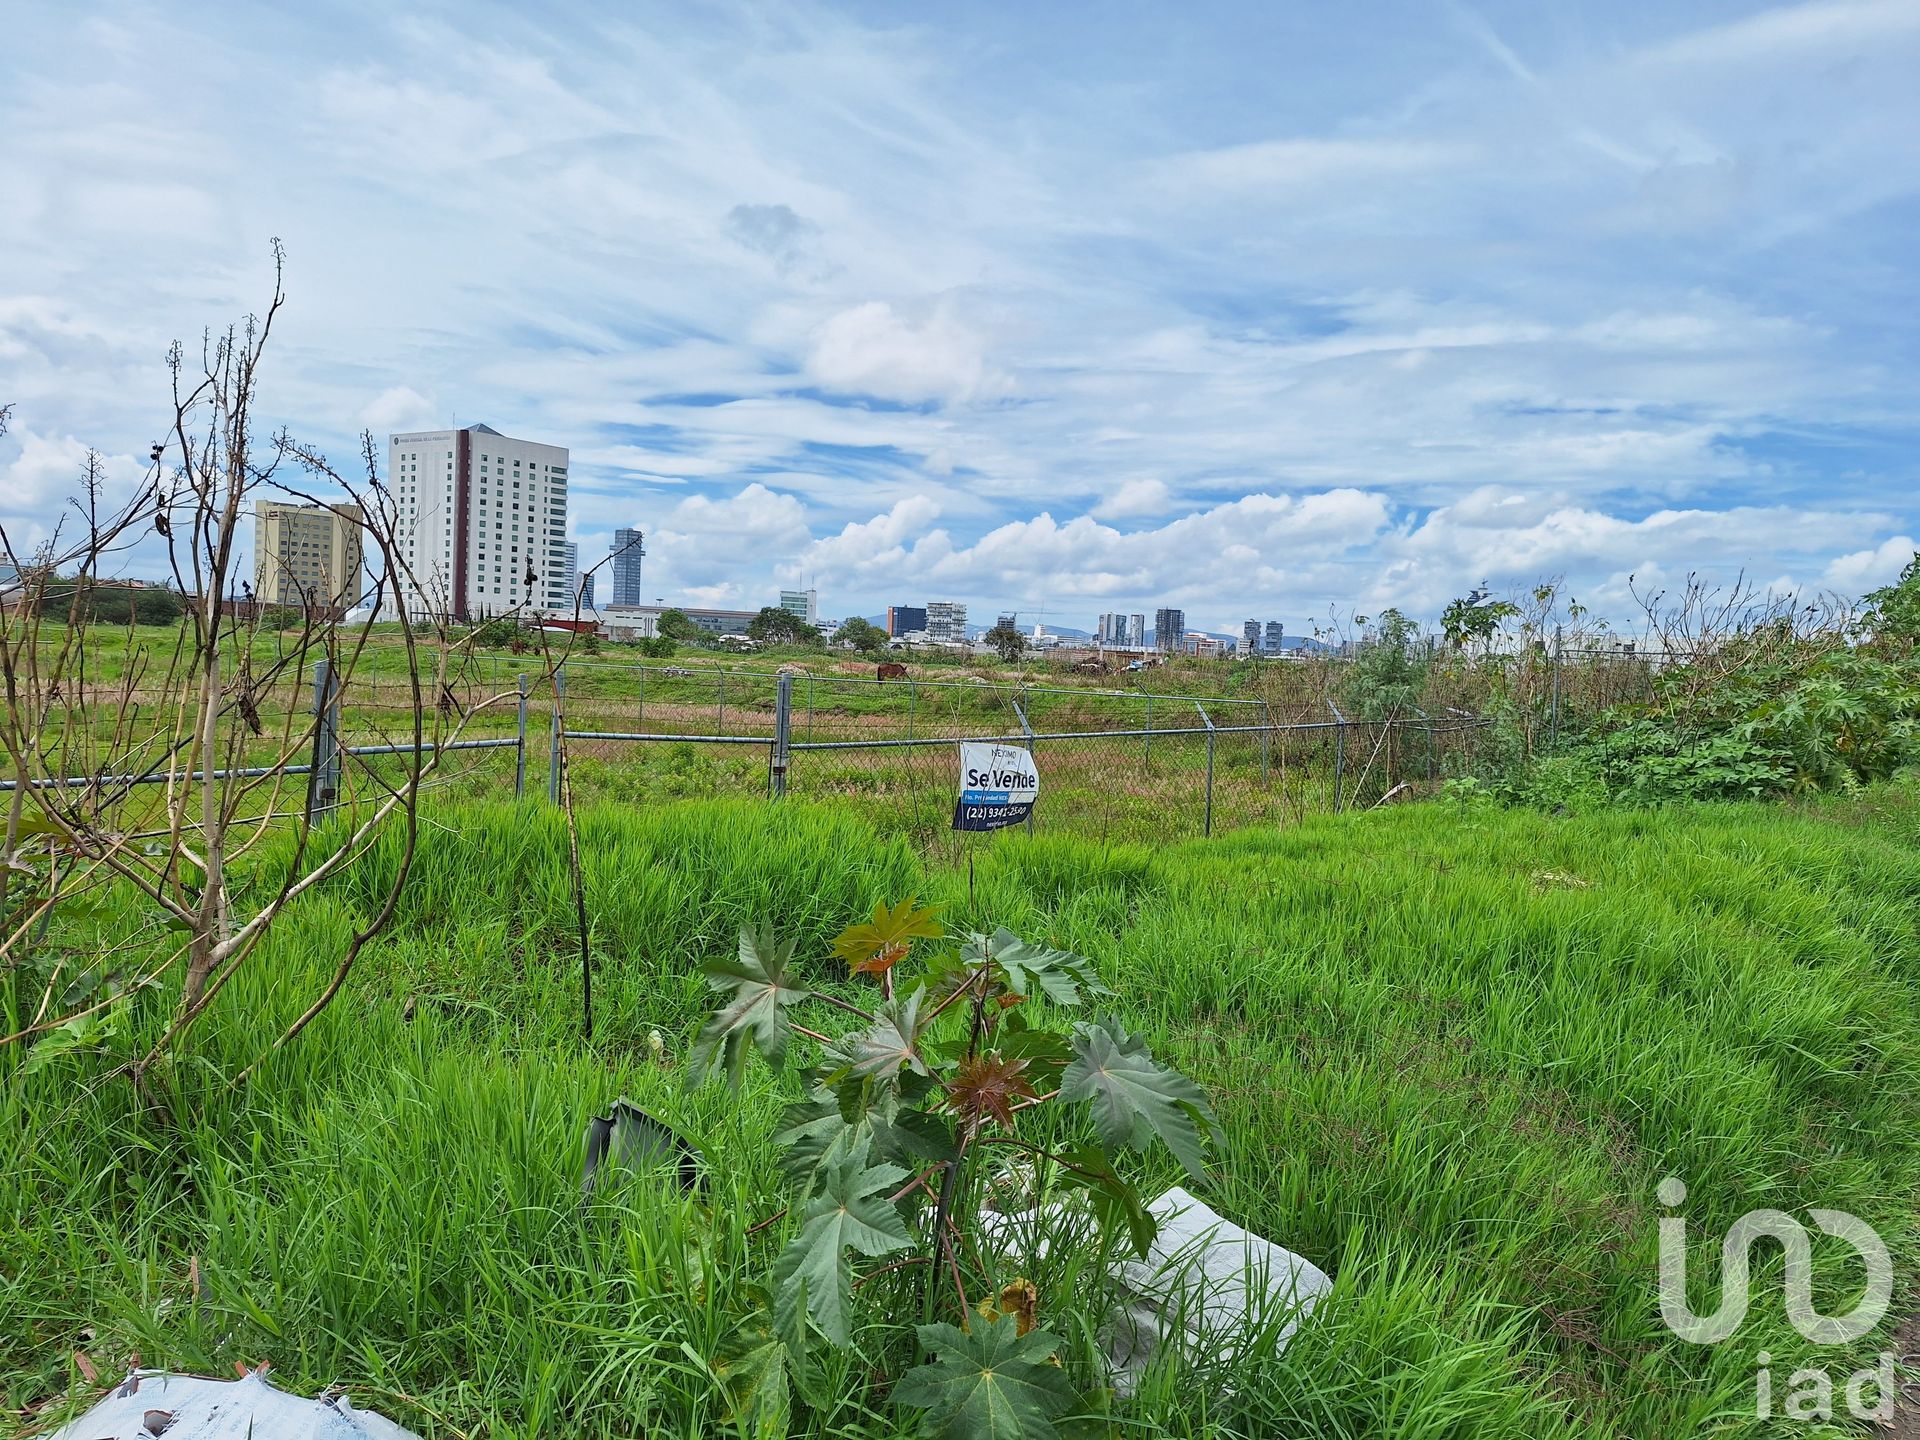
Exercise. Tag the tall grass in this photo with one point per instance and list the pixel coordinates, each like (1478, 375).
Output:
(1453, 1053)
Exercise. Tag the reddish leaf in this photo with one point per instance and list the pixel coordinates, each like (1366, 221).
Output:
(881, 961)
(989, 1086)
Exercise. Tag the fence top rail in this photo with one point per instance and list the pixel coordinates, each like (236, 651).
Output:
(922, 742)
(246, 772)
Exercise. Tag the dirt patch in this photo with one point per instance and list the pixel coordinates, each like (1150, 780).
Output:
(1905, 1424)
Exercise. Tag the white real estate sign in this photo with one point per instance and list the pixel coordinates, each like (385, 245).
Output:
(998, 785)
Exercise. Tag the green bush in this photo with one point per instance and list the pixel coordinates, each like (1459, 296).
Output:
(496, 634)
(1767, 714)
(108, 604)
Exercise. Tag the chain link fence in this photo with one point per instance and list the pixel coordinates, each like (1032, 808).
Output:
(1122, 765)
(1114, 764)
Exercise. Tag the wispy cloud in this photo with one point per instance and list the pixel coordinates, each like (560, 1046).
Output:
(1326, 310)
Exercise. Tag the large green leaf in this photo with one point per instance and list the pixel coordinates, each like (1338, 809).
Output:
(1133, 1096)
(988, 1384)
(1045, 1051)
(1060, 975)
(819, 1133)
(876, 946)
(753, 1011)
(850, 1212)
(890, 1044)
(82, 1033)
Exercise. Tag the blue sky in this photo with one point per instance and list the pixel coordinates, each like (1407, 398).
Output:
(1252, 309)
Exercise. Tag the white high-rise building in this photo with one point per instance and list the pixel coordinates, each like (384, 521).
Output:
(946, 622)
(480, 512)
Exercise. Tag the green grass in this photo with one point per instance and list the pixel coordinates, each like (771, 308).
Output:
(1117, 787)
(1453, 1053)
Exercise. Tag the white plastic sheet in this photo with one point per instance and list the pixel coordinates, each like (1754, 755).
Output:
(1204, 1284)
(187, 1407)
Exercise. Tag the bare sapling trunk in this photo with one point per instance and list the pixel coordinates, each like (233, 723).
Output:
(166, 793)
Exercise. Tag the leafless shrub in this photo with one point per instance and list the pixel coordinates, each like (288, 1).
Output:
(161, 770)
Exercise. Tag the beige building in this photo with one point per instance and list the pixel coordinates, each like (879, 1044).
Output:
(306, 554)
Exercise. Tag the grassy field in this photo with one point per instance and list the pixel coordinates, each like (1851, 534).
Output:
(1110, 787)
(1453, 1052)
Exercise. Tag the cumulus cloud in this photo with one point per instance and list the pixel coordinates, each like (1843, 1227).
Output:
(704, 256)
(1859, 571)
(40, 477)
(1147, 496)
(398, 407)
(873, 349)
(1082, 558)
(721, 546)
(43, 473)
(1514, 540)
(876, 549)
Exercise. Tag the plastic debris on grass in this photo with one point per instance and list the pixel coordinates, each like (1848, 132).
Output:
(1204, 1287)
(152, 1403)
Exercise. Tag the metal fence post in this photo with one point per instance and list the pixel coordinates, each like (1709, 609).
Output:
(1207, 720)
(1555, 726)
(520, 750)
(1339, 754)
(1146, 740)
(1032, 749)
(640, 684)
(809, 707)
(721, 677)
(782, 727)
(323, 786)
(913, 694)
(1266, 744)
(553, 745)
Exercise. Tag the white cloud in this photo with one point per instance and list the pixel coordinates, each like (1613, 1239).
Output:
(43, 475)
(875, 545)
(872, 349)
(1279, 164)
(1146, 496)
(398, 407)
(46, 471)
(1524, 306)
(721, 548)
(1793, 33)
(1862, 570)
(1081, 558)
(1456, 546)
